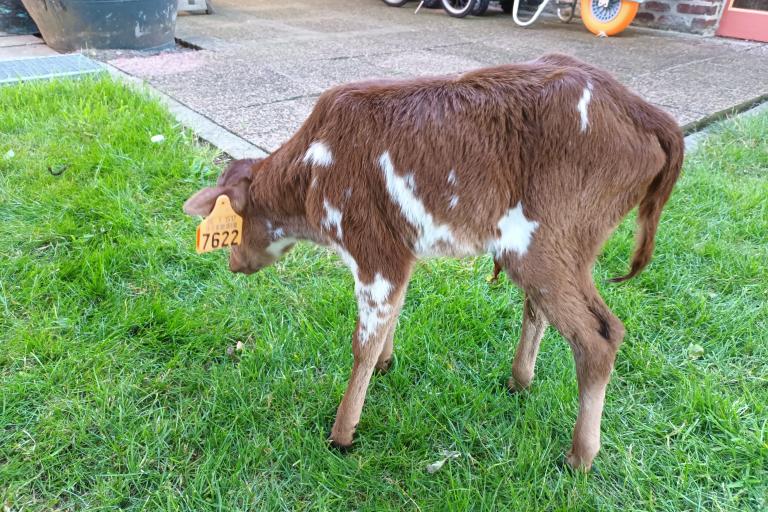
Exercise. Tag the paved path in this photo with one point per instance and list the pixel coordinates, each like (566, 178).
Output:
(14, 47)
(264, 63)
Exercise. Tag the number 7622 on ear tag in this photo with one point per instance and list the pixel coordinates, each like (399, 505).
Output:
(222, 228)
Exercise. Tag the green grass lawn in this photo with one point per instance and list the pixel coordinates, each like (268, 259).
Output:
(117, 389)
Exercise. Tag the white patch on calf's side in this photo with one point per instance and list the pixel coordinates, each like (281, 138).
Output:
(454, 201)
(516, 232)
(319, 154)
(583, 106)
(402, 191)
(410, 182)
(332, 218)
(277, 247)
(452, 177)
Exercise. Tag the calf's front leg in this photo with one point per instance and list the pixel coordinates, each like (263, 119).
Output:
(378, 304)
(385, 357)
(534, 326)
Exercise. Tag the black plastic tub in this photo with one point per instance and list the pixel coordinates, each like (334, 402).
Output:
(69, 25)
(14, 18)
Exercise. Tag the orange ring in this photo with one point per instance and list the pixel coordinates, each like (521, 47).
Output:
(623, 18)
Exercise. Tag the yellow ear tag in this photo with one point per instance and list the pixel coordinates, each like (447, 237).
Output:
(222, 228)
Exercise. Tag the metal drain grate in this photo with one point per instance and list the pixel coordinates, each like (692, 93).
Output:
(36, 68)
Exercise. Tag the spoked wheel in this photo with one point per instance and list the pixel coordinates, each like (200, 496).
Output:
(565, 14)
(458, 8)
(566, 10)
(480, 7)
(607, 17)
(396, 3)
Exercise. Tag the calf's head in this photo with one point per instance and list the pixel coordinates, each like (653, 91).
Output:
(260, 245)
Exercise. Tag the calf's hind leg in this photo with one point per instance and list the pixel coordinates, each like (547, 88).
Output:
(571, 304)
(596, 339)
(594, 334)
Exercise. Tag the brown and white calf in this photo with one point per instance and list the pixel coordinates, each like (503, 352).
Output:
(534, 163)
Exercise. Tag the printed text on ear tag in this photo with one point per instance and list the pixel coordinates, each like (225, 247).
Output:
(222, 228)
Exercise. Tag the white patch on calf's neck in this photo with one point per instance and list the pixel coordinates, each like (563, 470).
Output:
(454, 201)
(452, 177)
(332, 218)
(277, 247)
(402, 191)
(274, 233)
(583, 106)
(318, 154)
(516, 232)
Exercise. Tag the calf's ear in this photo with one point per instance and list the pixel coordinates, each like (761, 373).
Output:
(202, 202)
(233, 183)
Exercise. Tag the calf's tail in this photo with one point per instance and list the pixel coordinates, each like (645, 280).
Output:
(671, 140)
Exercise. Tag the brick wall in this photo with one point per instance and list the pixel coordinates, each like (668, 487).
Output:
(697, 16)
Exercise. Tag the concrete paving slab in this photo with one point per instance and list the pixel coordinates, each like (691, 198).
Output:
(319, 75)
(687, 118)
(14, 47)
(270, 124)
(485, 54)
(25, 51)
(15, 40)
(238, 82)
(263, 63)
(424, 62)
(219, 136)
(710, 87)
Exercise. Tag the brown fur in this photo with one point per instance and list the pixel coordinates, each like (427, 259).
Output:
(512, 135)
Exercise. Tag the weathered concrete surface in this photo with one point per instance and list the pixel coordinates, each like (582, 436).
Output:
(264, 63)
(230, 143)
(20, 47)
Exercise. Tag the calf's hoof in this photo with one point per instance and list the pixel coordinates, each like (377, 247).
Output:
(340, 442)
(383, 367)
(515, 387)
(579, 463)
(341, 448)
